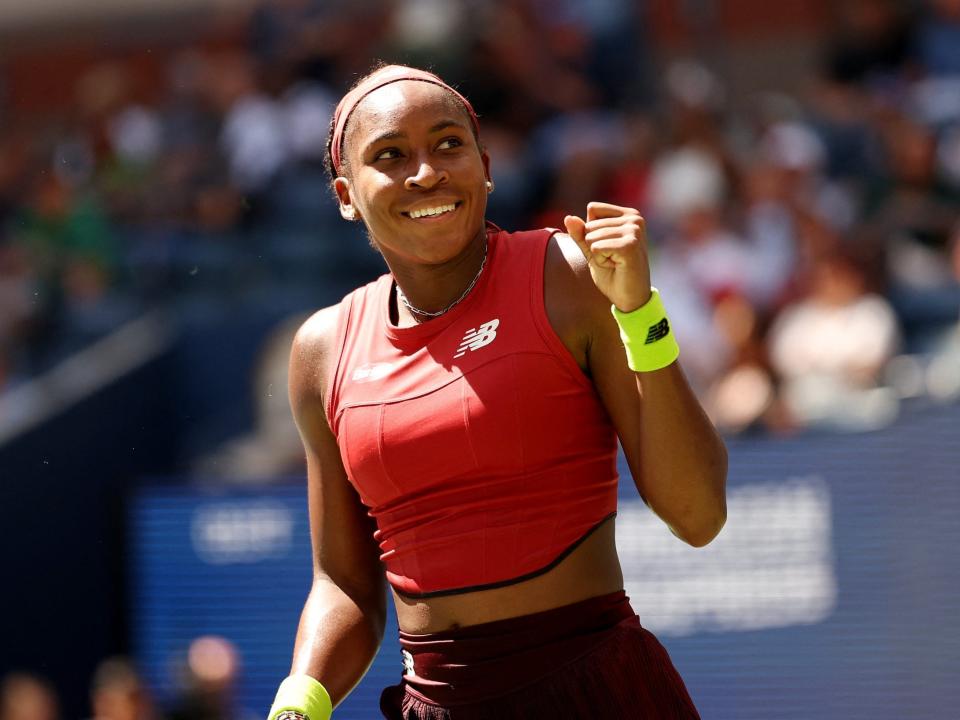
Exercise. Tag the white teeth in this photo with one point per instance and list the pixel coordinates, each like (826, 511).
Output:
(432, 211)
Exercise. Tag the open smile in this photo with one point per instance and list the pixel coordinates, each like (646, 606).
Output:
(435, 211)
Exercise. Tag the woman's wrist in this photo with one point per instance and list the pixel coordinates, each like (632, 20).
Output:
(301, 697)
(647, 336)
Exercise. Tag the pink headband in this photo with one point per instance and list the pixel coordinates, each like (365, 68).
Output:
(384, 76)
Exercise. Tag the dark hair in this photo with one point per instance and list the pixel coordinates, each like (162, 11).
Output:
(328, 155)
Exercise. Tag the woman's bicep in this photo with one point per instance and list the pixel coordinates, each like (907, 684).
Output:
(343, 619)
(581, 316)
(344, 550)
(619, 389)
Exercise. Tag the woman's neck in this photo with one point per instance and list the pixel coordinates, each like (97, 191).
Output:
(435, 288)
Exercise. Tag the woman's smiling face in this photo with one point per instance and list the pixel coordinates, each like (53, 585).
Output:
(415, 173)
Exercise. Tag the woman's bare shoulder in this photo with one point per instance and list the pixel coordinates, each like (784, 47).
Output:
(318, 331)
(312, 348)
(567, 278)
(572, 301)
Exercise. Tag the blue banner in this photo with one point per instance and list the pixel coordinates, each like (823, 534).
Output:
(831, 593)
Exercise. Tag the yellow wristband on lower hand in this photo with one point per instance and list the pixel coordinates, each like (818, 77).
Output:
(302, 694)
(647, 336)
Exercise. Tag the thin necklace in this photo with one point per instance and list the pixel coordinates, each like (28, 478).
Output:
(438, 313)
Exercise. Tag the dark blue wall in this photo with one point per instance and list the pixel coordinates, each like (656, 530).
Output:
(63, 490)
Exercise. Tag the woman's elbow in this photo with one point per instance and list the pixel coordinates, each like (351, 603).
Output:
(714, 516)
(703, 523)
(374, 613)
(361, 599)
(706, 529)
(377, 620)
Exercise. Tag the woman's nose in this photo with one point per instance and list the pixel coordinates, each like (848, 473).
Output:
(426, 177)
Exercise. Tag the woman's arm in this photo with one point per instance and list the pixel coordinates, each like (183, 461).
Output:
(342, 622)
(677, 459)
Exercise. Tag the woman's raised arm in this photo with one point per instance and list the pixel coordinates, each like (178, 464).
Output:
(677, 459)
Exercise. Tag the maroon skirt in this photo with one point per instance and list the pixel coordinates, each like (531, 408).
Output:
(591, 659)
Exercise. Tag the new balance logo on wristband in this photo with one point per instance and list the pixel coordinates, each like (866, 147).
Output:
(658, 332)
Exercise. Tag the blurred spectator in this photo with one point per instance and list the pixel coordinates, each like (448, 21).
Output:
(420, 29)
(577, 149)
(699, 259)
(628, 181)
(943, 371)
(328, 41)
(253, 137)
(697, 117)
(118, 693)
(872, 43)
(936, 51)
(27, 697)
(743, 395)
(913, 206)
(795, 152)
(212, 670)
(938, 39)
(829, 348)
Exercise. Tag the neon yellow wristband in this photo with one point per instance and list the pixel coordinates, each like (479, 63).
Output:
(647, 336)
(302, 694)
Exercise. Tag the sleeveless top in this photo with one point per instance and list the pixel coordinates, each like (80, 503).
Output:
(479, 446)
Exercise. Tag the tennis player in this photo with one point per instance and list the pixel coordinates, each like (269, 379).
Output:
(460, 417)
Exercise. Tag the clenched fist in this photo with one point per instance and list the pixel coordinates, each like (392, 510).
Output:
(614, 241)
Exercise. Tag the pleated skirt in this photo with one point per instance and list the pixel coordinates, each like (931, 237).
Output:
(591, 659)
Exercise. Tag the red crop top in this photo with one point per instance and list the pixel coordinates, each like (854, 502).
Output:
(479, 446)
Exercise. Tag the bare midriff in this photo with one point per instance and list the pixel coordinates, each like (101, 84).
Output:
(592, 569)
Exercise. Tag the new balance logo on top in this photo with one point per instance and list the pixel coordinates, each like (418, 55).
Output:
(371, 372)
(658, 332)
(476, 338)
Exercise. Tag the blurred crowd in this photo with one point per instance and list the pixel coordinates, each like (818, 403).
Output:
(206, 682)
(807, 246)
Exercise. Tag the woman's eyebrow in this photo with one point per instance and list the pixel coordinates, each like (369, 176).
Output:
(444, 124)
(386, 136)
(393, 135)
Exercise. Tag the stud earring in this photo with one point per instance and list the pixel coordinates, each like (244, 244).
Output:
(348, 213)
(490, 186)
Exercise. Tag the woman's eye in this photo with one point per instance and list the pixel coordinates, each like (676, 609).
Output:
(450, 142)
(388, 154)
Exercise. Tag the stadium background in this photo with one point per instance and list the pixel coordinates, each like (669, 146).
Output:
(165, 223)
